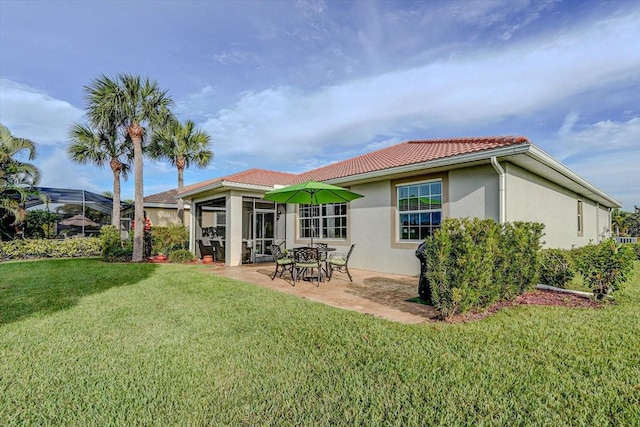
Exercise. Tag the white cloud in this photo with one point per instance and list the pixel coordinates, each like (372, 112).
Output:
(286, 123)
(606, 153)
(33, 114)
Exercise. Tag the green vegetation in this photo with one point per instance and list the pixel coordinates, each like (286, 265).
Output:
(42, 248)
(474, 263)
(181, 256)
(83, 342)
(556, 267)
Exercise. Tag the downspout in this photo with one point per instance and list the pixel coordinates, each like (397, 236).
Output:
(502, 189)
(599, 237)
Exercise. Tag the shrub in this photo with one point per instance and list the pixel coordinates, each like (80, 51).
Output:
(41, 248)
(556, 267)
(181, 256)
(473, 263)
(112, 247)
(604, 267)
(168, 239)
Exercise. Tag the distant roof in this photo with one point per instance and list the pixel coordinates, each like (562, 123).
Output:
(166, 197)
(406, 153)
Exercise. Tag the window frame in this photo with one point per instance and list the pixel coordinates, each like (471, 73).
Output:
(399, 213)
(341, 221)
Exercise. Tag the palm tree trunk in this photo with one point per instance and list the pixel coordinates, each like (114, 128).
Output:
(116, 167)
(180, 185)
(136, 132)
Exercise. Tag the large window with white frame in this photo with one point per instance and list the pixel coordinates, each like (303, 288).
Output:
(419, 209)
(328, 221)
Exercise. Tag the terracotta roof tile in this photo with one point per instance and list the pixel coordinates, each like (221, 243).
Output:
(252, 177)
(403, 154)
(408, 153)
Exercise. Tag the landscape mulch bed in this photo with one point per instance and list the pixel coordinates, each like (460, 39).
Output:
(537, 297)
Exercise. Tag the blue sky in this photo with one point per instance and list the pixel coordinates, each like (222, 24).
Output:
(294, 85)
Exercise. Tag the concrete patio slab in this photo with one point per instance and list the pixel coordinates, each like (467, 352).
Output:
(378, 294)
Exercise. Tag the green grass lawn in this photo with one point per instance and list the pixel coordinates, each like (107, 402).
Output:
(87, 343)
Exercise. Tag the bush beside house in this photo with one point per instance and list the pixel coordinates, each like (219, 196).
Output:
(474, 263)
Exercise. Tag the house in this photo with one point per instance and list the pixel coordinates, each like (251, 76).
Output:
(408, 189)
(162, 209)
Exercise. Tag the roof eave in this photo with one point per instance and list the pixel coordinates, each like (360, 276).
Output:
(591, 192)
(226, 185)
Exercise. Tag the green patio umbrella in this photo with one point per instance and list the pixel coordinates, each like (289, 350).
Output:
(311, 193)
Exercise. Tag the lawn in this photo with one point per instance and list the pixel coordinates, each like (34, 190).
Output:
(87, 343)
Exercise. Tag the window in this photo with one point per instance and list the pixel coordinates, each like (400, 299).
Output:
(419, 209)
(580, 219)
(328, 221)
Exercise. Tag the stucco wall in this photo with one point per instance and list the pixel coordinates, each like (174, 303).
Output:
(532, 198)
(372, 229)
(473, 193)
(163, 217)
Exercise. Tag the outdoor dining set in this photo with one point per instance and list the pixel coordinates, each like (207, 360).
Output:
(310, 263)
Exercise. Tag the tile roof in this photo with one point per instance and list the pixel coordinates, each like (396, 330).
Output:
(403, 154)
(260, 177)
(168, 197)
(408, 153)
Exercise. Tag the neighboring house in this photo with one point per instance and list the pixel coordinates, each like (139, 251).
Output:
(408, 189)
(162, 209)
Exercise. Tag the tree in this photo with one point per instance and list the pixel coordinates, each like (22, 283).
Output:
(619, 221)
(16, 176)
(132, 103)
(182, 145)
(101, 147)
(633, 222)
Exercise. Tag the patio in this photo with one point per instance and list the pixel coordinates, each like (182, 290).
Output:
(379, 294)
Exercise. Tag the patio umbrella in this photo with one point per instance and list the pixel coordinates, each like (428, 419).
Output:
(79, 221)
(311, 193)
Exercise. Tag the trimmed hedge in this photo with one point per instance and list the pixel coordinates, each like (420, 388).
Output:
(42, 248)
(474, 263)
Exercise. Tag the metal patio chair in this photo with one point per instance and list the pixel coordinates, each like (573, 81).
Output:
(340, 262)
(305, 261)
(283, 262)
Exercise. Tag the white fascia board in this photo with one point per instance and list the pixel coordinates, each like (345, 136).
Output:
(434, 164)
(227, 185)
(591, 190)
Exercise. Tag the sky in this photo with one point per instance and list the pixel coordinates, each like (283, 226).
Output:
(294, 85)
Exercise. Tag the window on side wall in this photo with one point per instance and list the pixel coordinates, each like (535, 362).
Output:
(327, 221)
(419, 208)
(580, 219)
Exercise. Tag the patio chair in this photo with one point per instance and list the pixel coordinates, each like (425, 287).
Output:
(305, 261)
(205, 248)
(340, 262)
(283, 262)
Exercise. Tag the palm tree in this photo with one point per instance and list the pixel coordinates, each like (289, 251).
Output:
(183, 146)
(132, 103)
(16, 177)
(102, 147)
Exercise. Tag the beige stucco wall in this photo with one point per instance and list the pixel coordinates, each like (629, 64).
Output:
(532, 198)
(473, 193)
(163, 217)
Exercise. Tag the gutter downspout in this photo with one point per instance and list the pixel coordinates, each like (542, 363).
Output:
(502, 187)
